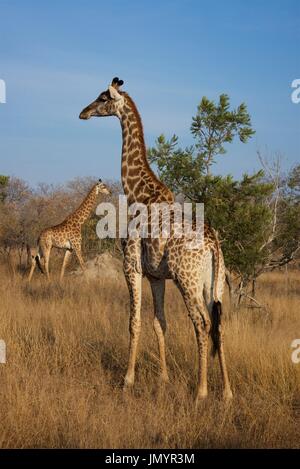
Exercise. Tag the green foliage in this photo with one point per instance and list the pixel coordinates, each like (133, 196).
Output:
(215, 124)
(240, 213)
(241, 210)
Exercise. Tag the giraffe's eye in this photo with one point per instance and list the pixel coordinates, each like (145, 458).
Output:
(102, 99)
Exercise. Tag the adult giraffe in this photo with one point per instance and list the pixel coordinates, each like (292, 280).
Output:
(199, 273)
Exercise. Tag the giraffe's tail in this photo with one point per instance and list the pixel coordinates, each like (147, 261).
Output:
(215, 327)
(217, 296)
(216, 268)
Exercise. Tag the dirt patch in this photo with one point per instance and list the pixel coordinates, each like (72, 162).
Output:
(103, 265)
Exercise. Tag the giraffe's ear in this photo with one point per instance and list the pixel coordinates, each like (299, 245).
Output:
(114, 94)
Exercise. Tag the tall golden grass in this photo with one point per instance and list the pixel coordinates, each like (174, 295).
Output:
(66, 358)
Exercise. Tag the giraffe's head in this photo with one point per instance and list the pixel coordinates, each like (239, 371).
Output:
(101, 188)
(108, 103)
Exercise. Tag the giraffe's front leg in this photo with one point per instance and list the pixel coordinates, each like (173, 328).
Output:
(76, 246)
(134, 282)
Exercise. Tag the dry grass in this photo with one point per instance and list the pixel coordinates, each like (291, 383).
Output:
(66, 357)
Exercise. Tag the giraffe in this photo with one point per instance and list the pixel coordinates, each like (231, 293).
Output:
(199, 274)
(66, 235)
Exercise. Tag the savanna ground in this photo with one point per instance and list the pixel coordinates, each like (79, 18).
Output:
(67, 349)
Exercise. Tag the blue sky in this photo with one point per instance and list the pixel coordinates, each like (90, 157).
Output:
(55, 57)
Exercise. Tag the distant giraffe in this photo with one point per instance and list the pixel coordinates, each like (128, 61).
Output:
(66, 235)
(199, 273)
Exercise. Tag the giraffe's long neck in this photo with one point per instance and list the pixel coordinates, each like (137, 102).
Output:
(84, 210)
(140, 184)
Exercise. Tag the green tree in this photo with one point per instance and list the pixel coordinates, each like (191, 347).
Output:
(240, 210)
(189, 170)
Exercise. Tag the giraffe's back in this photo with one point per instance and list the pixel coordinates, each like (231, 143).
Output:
(61, 236)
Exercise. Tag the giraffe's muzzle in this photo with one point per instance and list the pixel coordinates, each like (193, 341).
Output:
(85, 114)
(89, 111)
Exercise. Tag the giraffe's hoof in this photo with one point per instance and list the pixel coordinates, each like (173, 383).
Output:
(164, 378)
(128, 383)
(227, 396)
(199, 399)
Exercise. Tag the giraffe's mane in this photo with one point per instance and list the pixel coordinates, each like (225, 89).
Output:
(81, 205)
(133, 107)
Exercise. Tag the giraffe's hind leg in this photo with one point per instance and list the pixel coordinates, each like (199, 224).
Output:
(33, 265)
(65, 261)
(158, 293)
(198, 312)
(46, 255)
